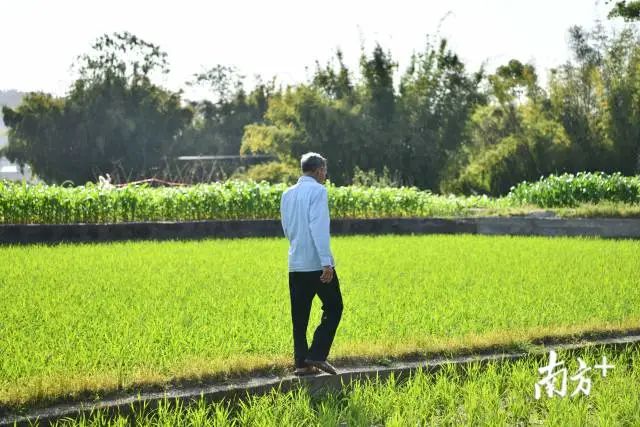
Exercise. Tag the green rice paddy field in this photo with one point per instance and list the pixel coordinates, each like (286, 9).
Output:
(497, 394)
(94, 318)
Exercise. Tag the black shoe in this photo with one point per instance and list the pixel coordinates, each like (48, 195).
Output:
(323, 365)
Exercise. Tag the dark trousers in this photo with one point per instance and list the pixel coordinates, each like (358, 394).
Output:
(303, 287)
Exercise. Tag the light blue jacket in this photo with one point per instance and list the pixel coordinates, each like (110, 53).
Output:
(304, 213)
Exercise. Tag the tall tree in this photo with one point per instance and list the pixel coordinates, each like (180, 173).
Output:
(336, 85)
(218, 125)
(114, 118)
(437, 98)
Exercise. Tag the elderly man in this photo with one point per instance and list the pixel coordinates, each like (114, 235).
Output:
(304, 212)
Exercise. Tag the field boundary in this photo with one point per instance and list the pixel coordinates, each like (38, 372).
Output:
(237, 389)
(520, 226)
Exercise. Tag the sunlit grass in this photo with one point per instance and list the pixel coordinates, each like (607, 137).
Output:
(493, 394)
(101, 317)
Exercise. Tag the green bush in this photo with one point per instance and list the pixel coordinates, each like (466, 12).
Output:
(371, 179)
(539, 146)
(272, 172)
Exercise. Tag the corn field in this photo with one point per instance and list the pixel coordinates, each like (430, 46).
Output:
(568, 190)
(43, 204)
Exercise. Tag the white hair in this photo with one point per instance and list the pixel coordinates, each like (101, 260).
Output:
(312, 161)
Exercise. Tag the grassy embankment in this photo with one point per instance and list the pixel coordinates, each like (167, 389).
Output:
(495, 394)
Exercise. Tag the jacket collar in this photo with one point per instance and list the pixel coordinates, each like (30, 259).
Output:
(306, 178)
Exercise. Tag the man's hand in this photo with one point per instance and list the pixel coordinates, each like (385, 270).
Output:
(327, 274)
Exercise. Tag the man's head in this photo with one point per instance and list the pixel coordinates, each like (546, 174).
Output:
(314, 165)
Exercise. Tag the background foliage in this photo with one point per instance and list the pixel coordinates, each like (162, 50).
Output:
(435, 125)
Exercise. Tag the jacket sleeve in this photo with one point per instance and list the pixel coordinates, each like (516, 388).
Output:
(319, 225)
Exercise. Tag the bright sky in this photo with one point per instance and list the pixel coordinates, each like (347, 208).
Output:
(41, 38)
